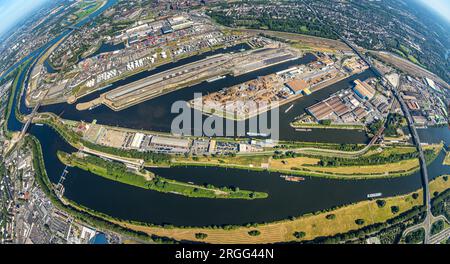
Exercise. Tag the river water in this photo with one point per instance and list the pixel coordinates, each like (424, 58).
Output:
(285, 198)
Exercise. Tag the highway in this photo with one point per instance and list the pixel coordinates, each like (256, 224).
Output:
(412, 128)
(443, 235)
(29, 120)
(415, 137)
(435, 239)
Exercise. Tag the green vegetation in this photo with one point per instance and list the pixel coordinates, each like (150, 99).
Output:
(381, 203)
(393, 123)
(299, 235)
(326, 124)
(440, 204)
(359, 221)
(119, 172)
(374, 159)
(293, 24)
(330, 216)
(395, 209)
(375, 126)
(415, 237)
(254, 233)
(201, 235)
(86, 8)
(78, 212)
(437, 227)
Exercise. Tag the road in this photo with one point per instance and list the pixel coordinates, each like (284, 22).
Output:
(415, 137)
(29, 119)
(443, 235)
(436, 239)
(386, 84)
(323, 151)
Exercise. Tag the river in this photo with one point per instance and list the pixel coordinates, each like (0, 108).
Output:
(285, 198)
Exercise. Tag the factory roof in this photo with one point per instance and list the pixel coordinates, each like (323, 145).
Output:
(137, 140)
(364, 90)
(297, 85)
(170, 141)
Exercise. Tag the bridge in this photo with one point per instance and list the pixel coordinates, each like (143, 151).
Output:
(59, 188)
(415, 136)
(31, 116)
(29, 120)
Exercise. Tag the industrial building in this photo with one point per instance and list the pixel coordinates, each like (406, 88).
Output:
(363, 90)
(330, 108)
(298, 86)
(137, 140)
(171, 143)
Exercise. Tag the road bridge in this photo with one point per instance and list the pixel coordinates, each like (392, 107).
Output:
(387, 85)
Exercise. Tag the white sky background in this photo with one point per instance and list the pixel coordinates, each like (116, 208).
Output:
(440, 6)
(11, 11)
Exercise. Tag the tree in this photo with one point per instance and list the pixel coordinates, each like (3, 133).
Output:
(254, 233)
(381, 203)
(359, 221)
(415, 196)
(437, 227)
(299, 234)
(325, 122)
(201, 235)
(330, 216)
(395, 209)
(415, 237)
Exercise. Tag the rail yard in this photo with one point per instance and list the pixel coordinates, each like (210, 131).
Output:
(193, 73)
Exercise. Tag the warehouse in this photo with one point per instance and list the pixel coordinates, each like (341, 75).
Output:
(174, 144)
(297, 86)
(137, 140)
(330, 108)
(363, 90)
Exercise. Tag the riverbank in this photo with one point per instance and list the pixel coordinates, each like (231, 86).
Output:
(389, 163)
(279, 231)
(147, 180)
(392, 164)
(298, 124)
(321, 224)
(78, 212)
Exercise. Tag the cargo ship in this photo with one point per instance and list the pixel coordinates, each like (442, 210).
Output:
(216, 78)
(374, 195)
(289, 108)
(252, 134)
(292, 178)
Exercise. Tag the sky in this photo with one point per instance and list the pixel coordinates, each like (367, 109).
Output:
(11, 11)
(440, 6)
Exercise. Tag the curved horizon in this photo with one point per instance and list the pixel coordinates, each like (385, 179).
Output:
(12, 11)
(440, 7)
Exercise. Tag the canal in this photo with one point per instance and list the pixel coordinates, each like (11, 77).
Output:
(285, 198)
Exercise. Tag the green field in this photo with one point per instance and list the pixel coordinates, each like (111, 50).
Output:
(118, 172)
